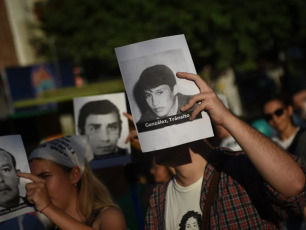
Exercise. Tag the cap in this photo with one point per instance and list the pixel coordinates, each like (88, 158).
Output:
(68, 151)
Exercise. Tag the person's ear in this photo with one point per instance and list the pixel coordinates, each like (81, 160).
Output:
(175, 90)
(75, 175)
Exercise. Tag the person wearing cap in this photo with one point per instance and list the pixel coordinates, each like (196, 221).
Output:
(256, 188)
(64, 188)
(156, 94)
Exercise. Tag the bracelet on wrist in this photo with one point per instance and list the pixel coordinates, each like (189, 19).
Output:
(41, 211)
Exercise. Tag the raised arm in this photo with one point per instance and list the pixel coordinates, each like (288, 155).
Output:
(272, 162)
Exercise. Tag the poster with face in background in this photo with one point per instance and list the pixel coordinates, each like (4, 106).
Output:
(156, 95)
(101, 118)
(13, 159)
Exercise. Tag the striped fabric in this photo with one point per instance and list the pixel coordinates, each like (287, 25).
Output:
(244, 200)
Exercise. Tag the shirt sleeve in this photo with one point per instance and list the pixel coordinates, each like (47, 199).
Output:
(149, 223)
(267, 201)
(155, 212)
(285, 207)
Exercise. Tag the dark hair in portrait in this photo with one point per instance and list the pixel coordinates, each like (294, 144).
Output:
(152, 77)
(11, 156)
(188, 215)
(100, 107)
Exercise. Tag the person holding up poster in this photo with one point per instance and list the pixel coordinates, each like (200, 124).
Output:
(65, 189)
(251, 189)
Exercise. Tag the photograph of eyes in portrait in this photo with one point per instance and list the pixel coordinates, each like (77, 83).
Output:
(13, 160)
(100, 117)
(156, 95)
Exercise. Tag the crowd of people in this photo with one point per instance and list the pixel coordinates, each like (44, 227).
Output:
(257, 182)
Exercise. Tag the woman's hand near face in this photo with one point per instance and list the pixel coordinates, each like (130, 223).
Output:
(37, 192)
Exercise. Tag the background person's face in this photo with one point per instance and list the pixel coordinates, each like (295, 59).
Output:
(161, 100)
(280, 123)
(161, 173)
(103, 131)
(192, 224)
(9, 191)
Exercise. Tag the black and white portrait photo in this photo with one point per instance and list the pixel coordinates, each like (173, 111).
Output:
(13, 160)
(101, 118)
(156, 95)
(191, 221)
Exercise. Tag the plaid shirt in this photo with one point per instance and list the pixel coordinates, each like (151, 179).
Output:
(243, 201)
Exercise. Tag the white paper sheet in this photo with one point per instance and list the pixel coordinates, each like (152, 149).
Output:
(173, 52)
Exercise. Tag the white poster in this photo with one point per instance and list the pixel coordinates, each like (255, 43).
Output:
(101, 118)
(156, 95)
(13, 159)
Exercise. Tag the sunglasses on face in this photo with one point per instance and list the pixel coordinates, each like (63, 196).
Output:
(277, 113)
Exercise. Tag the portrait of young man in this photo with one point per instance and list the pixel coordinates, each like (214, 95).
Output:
(100, 119)
(156, 94)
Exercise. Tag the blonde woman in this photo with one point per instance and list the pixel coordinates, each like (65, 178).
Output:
(65, 189)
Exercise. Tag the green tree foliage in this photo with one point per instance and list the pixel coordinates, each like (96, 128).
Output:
(219, 33)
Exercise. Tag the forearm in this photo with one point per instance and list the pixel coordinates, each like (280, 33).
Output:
(272, 162)
(62, 220)
(275, 165)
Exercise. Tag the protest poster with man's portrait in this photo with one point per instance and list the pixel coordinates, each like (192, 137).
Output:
(13, 160)
(156, 95)
(100, 117)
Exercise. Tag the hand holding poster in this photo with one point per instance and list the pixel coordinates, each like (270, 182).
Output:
(13, 159)
(156, 95)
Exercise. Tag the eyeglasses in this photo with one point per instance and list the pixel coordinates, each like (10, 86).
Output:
(277, 113)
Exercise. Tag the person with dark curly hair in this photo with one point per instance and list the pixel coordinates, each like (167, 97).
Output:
(191, 221)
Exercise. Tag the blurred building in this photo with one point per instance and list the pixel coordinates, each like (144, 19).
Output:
(18, 29)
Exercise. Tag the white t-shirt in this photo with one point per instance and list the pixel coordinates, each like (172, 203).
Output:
(286, 143)
(183, 209)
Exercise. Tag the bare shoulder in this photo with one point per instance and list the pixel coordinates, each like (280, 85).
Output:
(110, 218)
